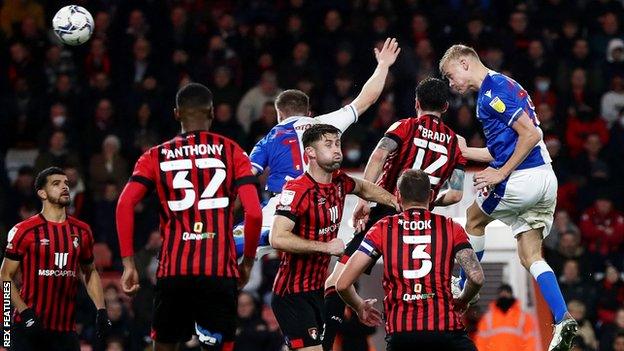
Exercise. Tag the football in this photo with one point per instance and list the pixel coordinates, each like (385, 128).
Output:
(73, 25)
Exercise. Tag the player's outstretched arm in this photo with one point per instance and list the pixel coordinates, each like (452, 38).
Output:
(375, 84)
(282, 238)
(356, 265)
(469, 262)
(8, 270)
(456, 189)
(371, 192)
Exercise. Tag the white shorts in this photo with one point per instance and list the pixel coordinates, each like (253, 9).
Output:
(525, 201)
(268, 212)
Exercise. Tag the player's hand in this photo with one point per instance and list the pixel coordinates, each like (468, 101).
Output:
(460, 305)
(368, 314)
(130, 279)
(488, 177)
(388, 53)
(244, 270)
(361, 215)
(102, 324)
(335, 247)
(30, 323)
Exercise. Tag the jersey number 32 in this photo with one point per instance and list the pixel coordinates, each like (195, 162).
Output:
(207, 201)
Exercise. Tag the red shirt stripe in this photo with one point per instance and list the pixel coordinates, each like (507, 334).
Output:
(196, 176)
(419, 248)
(50, 254)
(317, 211)
(425, 143)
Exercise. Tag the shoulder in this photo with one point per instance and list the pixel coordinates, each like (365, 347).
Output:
(299, 184)
(339, 176)
(78, 223)
(29, 223)
(24, 227)
(402, 123)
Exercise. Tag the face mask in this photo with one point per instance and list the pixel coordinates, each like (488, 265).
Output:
(504, 303)
(353, 155)
(543, 86)
(58, 121)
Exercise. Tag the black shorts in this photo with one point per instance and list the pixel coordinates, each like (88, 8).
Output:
(300, 317)
(200, 305)
(44, 340)
(378, 212)
(430, 340)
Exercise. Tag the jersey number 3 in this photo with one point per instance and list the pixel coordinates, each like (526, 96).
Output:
(420, 157)
(207, 200)
(419, 253)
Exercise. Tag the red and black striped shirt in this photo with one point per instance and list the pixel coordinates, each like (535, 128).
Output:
(425, 143)
(196, 176)
(49, 255)
(317, 211)
(419, 249)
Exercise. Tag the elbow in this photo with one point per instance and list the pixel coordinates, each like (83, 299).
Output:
(454, 196)
(342, 286)
(378, 156)
(275, 241)
(254, 213)
(477, 277)
(533, 137)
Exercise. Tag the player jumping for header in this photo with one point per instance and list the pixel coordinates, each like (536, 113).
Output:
(519, 188)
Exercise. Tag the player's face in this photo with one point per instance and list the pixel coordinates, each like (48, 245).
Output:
(328, 153)
(457, 73)
(56, 190)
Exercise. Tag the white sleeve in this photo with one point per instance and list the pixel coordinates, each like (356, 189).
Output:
(341, 118)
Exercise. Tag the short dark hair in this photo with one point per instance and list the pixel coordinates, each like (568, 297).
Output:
(293, 102)
(505, 287)
(316, 132)
(414, 186)
(194, 95)
(42, 178)
(432, 94)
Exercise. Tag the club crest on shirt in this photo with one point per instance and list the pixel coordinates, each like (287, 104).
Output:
(287, 197)
(75, 241)
(313, 333)
(498, 105)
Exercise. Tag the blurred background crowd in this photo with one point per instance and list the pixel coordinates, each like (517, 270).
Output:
(94, 109)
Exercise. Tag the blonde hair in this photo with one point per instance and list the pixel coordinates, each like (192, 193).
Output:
(455, 52)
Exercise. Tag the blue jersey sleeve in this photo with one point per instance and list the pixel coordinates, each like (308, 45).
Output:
(259, 156)
(506, 101)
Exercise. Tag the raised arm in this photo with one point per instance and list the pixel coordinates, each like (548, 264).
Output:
(375, 164)
(375, 84)
(282, 238)
(371, 192)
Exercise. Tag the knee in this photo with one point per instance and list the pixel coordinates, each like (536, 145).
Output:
(527, 259)
(474, 226)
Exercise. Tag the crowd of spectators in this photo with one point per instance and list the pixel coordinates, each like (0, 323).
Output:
(95, 108)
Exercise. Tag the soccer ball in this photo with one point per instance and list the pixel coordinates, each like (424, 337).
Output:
(73, 25)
